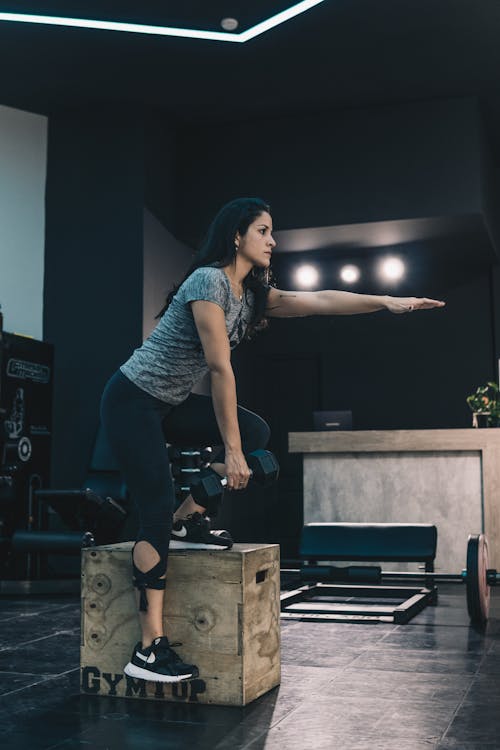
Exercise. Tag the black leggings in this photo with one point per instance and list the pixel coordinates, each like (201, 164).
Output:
(137, 426)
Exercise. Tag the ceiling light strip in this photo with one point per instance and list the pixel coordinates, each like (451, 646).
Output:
(138, 28)
(131, 28)
(278, 19)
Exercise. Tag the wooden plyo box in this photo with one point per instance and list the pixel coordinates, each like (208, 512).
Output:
(222, 605)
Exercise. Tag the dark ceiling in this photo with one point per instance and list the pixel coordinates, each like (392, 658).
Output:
(339, 54)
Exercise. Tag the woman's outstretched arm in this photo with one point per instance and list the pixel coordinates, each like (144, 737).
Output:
(282, 304)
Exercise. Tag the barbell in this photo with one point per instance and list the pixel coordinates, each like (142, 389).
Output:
(477, 576)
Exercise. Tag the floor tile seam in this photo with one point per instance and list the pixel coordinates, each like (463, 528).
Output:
(409, 649)
(383, 718)
(450, 637)
(13, 617)
(273, 725)
(72, 631)
(400, 672)
(53, 605)
(367, 736)
(418, 652)
(443, 635)
(445, 626)
(450, 634)
(482, 645)
(338, 672)
(41, 682)
(25, 687)
(435, 650)
(265, 731)
(403, 672)
(61, 743)
(8, 673)
(460, 704)
(401, 700)
(45, 611)
(420, 701)
(423, 672)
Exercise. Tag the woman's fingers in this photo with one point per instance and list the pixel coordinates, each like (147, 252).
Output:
(237, 473)
(237, 482)
(424, 303)
(409, 304)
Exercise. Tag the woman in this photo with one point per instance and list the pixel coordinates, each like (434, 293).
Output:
(225, 296)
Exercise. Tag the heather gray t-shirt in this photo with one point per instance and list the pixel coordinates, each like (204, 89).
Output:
(171, 360)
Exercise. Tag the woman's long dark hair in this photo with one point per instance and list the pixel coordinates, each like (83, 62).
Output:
(218, 250)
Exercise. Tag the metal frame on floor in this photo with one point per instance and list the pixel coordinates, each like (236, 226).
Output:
(311, 599)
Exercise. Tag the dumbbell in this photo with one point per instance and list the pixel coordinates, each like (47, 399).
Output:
(208, 487)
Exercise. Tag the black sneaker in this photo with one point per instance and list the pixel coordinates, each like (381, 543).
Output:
(159, 663)
(194, 532)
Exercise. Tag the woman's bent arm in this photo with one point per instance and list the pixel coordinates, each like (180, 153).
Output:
(211, 326)
(223, 386)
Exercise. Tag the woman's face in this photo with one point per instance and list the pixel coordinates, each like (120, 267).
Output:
(258, 243)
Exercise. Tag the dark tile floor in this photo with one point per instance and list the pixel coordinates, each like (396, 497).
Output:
(433, 683)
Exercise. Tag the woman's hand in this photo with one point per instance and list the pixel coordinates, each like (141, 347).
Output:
(409, 304)
(237, 471)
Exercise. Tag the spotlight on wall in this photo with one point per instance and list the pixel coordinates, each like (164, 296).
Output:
(350, 274)
(306, 276)
(392, 269)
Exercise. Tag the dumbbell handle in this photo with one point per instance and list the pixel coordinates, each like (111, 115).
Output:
(223, 480)
(263, 469)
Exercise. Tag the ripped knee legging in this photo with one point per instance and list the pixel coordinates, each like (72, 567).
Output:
(137, 427)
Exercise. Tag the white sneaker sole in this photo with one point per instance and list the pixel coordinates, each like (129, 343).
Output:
(144, 674)
(175, 544)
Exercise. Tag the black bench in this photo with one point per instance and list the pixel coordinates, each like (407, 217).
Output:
(360, 542)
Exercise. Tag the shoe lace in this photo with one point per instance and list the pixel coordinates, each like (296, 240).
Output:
(167, 650)
(197, 519)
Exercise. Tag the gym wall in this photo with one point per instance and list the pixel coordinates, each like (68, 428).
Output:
(421, 159)
(23, 165)
(166, 260)
(93, 311)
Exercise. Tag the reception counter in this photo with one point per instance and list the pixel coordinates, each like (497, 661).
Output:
(447, 477)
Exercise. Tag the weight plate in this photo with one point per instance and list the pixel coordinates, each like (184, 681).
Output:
(24, 449)
(478, 591)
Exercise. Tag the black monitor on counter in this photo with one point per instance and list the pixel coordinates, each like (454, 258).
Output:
(332, 420)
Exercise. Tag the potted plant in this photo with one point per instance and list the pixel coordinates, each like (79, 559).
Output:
(485, 405)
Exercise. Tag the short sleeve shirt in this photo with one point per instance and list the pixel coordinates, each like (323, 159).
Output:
(171, 360)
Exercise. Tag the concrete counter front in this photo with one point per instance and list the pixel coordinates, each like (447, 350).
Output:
(447, 477)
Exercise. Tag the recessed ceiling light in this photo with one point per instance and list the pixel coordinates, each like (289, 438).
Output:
(229, 24)
(138, 28)
(350, 274)
(306, 276)
(392, 269)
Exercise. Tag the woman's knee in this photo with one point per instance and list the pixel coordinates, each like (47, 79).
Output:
(152, 543)
(265, 433)
(255, 433)
(149, 563)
